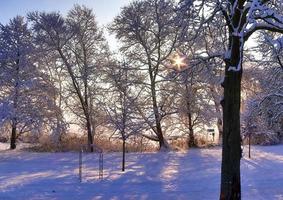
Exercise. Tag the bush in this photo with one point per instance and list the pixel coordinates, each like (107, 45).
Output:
(179, 144)
(73, 142)
(200, 142)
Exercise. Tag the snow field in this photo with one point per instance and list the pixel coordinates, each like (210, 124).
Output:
(192, 175)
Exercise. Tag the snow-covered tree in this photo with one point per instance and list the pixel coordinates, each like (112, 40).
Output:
(272, 98)
(57, 76)
(201, 74)
(120, 102)
(79, 43)
(241, 19)
(192, 99)
(149, 33)
(26, 98)
(265, 106)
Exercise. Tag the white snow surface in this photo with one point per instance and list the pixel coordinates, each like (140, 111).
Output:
(192, 175)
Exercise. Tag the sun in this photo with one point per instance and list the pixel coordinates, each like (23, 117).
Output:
(179, 62)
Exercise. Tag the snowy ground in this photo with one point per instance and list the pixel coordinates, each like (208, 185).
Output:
(192, 175)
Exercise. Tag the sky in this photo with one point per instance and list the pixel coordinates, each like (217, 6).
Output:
(105, 10)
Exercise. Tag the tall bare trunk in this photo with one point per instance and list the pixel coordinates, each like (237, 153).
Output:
(231, 148)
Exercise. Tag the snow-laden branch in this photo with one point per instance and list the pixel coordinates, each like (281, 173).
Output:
(262, 17)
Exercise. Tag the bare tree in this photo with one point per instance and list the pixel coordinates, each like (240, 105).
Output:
(80, 45)
(149, 33)
(192, 102)
(26, 92)
(120, 107)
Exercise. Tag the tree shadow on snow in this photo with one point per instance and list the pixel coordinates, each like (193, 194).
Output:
(262, 175)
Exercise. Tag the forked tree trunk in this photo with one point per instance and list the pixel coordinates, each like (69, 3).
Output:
(231, 148)
(163, 145)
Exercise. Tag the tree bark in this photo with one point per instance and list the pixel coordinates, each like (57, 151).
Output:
(231, 148)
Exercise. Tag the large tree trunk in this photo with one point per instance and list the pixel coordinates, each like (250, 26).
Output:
(13, 136)
(231, 148)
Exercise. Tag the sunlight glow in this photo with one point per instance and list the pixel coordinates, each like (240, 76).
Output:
(179, 62)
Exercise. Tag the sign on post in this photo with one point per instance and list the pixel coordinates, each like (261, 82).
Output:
(212, 132)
